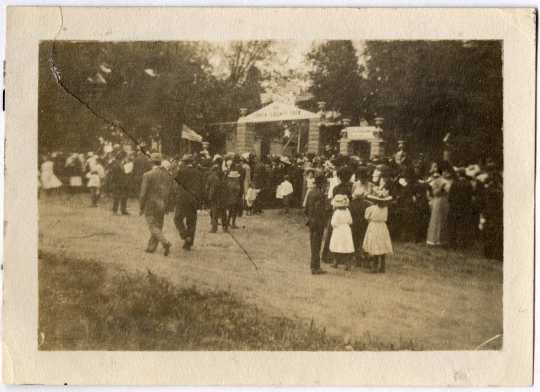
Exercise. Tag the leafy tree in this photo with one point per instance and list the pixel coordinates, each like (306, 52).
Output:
(336, 76)
(426, 89)
(141, 87)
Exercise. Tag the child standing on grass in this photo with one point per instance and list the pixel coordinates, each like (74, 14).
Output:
(95, 177)
(341, 241)
(377, 242)
(251, 196)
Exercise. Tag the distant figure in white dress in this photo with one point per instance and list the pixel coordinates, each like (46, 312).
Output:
(49, 181)
(341, 241)
(377, 243)
(284, 192)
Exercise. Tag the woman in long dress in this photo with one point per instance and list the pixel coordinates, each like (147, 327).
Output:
(360, 190)
(437, 233)
(49, 181)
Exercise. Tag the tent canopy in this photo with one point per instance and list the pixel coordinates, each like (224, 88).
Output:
(190, 134)
(278, 111)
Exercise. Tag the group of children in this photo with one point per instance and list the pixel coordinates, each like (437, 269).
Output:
(377, 242)
(357, 225)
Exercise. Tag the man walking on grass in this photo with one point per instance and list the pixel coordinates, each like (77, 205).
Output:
(154, 198)
(188, 200)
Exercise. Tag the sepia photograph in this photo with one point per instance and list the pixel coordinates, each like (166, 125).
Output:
(270, 195)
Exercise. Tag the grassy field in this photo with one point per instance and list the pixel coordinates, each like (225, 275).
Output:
(82, 306)
(93, 270)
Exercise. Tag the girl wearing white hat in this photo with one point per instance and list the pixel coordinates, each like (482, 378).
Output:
(377, 242)
(341, 242)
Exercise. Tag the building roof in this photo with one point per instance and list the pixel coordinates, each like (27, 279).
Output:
(278, 111)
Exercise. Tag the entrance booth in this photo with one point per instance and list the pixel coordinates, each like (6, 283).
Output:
(278, 128)
(363, 141)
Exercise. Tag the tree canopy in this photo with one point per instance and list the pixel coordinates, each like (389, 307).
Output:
(336, 76)
(423, 89)
(141, 87)
(426, 89)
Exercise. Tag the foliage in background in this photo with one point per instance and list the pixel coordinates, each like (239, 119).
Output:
(426, 89)
(423, 89)
(145, 87)
(336, 77)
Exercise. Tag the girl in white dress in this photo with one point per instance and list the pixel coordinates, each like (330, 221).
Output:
(377, 242)
(341, 242)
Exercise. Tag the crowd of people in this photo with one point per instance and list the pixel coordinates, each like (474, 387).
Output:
(354, 207)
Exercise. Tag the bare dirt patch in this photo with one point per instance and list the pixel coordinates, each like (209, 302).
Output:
(430, 299)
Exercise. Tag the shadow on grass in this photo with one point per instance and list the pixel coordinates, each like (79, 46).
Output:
(84, 306)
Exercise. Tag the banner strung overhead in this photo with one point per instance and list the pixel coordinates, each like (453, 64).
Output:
(190, 134)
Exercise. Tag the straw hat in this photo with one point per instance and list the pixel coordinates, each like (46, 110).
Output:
(380, 195)
(155, 157)
(340, 200)
(285, 160)
(472, 170)
(166, 164)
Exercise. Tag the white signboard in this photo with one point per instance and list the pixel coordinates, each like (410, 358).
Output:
(363, 133)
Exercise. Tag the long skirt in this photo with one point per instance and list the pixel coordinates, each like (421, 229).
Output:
(437, 233)
(50, 181)
(377, 240)
(342, 240)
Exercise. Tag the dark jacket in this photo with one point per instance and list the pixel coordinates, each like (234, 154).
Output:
(260, 176)
(155, 191)
(216, 188)
(190, 188)
(316, 208)
(141, 164)
(460, 198)
(118, 179)
(343, 189)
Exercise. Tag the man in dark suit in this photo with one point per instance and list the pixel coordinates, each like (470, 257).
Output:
(316, 211)
(188, 200)
(216, 196)
(155, 191)
(119, 183)
(460, 225)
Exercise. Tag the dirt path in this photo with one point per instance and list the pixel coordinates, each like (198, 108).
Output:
(439, 300)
